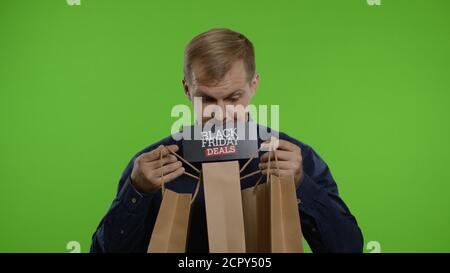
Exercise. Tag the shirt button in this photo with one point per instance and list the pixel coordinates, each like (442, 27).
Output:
(133, 200)
(122, 232)
(299, 201)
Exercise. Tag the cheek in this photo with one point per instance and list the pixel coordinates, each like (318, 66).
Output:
(244, 101)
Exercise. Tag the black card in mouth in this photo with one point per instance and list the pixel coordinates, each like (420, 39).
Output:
(219, 141)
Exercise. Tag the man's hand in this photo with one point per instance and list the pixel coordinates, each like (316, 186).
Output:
(146, 174)
(289, 161)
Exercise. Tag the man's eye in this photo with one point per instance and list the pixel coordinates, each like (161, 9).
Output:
(208, 99)
(234, 99)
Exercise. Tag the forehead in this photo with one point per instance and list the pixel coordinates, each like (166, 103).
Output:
(235, 79)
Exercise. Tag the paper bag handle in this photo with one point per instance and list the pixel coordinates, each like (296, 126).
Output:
(258, 171)
(163, 188)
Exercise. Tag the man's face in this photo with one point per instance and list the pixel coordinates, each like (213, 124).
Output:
(230, 96)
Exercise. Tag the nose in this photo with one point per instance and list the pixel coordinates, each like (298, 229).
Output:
(220, 114)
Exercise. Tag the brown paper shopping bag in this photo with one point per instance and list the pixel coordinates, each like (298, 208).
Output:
(256, 207)
(271, 215)
(224, 215)
(172, 223)
(170, 231)
(285, 228)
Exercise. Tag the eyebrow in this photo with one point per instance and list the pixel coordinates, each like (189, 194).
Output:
(202, 94)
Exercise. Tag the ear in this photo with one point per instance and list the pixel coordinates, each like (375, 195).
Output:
(254, 84)
(186, 89)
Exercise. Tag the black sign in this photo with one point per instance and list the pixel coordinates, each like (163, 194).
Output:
(218, 141)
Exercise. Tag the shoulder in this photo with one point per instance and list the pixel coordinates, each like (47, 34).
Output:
(312, 162)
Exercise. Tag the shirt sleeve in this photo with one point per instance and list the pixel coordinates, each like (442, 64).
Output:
(327, 224)
(126, 226)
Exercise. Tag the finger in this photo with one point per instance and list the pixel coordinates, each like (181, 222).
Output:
(174, 148)
(277, 172)
(168, 168)
(284, 165)
(165, 160)
(171, 176)
(287, 146)
(152, 155)
(281, 155)
(270, 144)
(156, 153)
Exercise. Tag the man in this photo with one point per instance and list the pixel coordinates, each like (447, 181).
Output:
(219, 66)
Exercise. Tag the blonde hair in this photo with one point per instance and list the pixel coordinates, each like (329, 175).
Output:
(214, 52)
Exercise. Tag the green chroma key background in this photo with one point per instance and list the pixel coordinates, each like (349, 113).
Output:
(82, 88)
